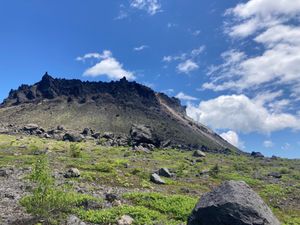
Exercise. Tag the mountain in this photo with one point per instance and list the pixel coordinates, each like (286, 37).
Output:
(107, 107)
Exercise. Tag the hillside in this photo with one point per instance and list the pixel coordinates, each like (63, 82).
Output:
(114, 181)
(107, 107)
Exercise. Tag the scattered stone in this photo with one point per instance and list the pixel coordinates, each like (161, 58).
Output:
(96, 135)
(87, 132)
(90, 205)
(60, 128)
(155, 178)
(275, 175)
(257, 155)
(108, 135)
(204, 172)
(234, 203)
(164, 172)
(31, 127)
(125, 220)
(3, 173)
(73, 137)
(74, 220)
(199, 153)
(72, 173)
(111, 197)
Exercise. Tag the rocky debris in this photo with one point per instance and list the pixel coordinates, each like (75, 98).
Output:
(125, 220)
(204, 172)
(110, 197)
(234, 203)
(141, 134)
(88, 204)
(4, 173)
(199, 153)
(12, 189)
(155, 178)
(275, 175)
(74, 220)
(257, 155)
(72, 173)
(31, 127)
(164, 172)
(96, 135)
(73, 137)
(87, 132)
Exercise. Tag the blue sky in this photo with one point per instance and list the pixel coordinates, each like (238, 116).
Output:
(234, 63)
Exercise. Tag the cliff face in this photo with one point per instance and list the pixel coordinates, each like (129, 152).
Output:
(112, 106)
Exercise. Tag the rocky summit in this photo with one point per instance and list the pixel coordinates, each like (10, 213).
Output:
(108, 107)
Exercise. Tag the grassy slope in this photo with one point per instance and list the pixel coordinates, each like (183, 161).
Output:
(103, 167)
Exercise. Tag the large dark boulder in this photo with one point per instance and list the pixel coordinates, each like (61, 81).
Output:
(142, 134)
(73, 137)
(232, 203)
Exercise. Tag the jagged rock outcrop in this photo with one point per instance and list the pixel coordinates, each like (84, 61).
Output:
(233, 203)
(109, 107)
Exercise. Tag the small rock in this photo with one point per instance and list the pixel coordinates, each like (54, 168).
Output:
(96, 135)
(125, 220)
(72, 173)
(31, 127)
(73, 137)
(155, 178)
(111, 197)
(275, 175)
(74, 220)
(3, 173)
(164, 172)
(199, 153)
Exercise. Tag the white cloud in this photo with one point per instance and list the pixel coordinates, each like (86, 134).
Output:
(95, 55)
(239, 113)
(151, 6)
(273, 27)
(168, 91)
(268, 144)
(196, 32)
(233, 138)
(286, 146)
(186, 55)
(140, 48)
(187, 66)
(183, 96)
(107, 66)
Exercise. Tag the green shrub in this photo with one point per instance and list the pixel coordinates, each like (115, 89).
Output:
(47, 201)
(178, 207)
(214, 171)
(75, 151)
(140, 214)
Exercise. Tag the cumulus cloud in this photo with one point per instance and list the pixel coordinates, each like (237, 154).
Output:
(107, 65)
(273, 26)
(150, 6)
(242, 114)
(233, 138)
(140, 48)
(187, 66)
(187, 61)
(268, 144)
(183, 96)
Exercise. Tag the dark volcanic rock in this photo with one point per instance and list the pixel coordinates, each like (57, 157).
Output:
(275, 175)
(140, 133)
(233, 203)
(164, 172)
(257, 155)
(72, 137)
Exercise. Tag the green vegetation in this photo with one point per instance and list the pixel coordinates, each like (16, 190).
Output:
(109, 168)
(178, 207)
